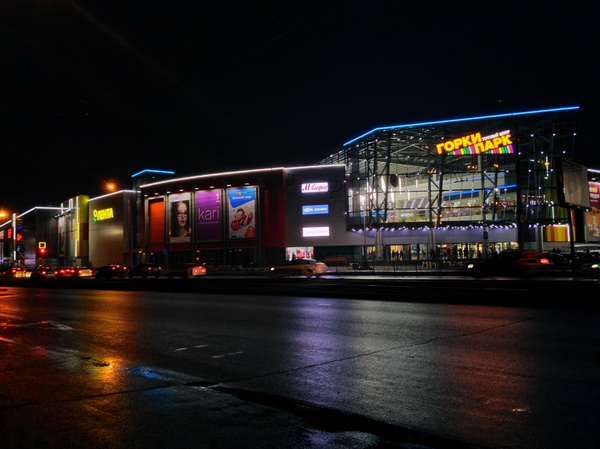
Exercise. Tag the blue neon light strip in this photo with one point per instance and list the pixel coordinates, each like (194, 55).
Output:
(164, 172)
(470, 192)
(483, 117)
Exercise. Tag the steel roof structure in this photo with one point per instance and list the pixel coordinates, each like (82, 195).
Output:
(376, 158)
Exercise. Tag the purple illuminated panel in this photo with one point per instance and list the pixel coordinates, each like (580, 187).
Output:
(208, 214)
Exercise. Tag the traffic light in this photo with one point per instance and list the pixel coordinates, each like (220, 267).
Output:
(42, 250)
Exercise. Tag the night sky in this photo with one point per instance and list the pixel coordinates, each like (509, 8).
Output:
(94, 91)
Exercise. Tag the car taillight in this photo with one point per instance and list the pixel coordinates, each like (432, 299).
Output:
(544, 261)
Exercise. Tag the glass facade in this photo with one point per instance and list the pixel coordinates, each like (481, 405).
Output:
(475, 171)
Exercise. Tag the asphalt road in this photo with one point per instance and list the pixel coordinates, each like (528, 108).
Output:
(205, 365)
(559, 290)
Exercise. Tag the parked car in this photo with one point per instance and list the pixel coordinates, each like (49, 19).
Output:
(82, 272)
(186, 270)
(300, 267)
(65, 272)
(43, 273)
(15, 272)
(584, 261)
(510, 263)
(558, 260)
(145, 269)
(111, 271)
(8, 272)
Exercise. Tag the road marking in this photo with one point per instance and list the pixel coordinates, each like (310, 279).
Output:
(43, 324)
(220, 356)
(186, 348)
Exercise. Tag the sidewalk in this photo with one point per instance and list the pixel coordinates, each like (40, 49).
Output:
(409, 268)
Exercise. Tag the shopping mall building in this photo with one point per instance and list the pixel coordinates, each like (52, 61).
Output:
(462, 188)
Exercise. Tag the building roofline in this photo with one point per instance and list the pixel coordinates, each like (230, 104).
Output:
(149, 170)
(240, 172)
(439, 122)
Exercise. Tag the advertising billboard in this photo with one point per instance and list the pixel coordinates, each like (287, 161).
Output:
(179, 213)
(573, 187)
(593, 216)
(208, 215)
(241, 213)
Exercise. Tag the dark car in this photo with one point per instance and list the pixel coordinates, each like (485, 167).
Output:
(13, 272)
(43, 273)
(65, 272)
(585, 261)
(111, 271)
(510, 263)
(558, 260)
(145, 270)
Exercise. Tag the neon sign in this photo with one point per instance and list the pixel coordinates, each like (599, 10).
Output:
(322, 231)
(103, 214)
(498, 143)
(318, 209)
(315, 187)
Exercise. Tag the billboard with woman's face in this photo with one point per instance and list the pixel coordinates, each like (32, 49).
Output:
(208, 215)
(241, 213)
(179, 230)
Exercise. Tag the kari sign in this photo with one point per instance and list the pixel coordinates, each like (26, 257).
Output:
(315, 187)
(208, 215)
(498, 143)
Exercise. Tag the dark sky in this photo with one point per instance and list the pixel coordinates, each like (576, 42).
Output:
(95, 91)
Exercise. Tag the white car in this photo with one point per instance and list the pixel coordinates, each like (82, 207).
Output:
(186, 270)
(299, 267)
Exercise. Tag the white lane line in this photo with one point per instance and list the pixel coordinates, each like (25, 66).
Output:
(52, 325)
(220, 356)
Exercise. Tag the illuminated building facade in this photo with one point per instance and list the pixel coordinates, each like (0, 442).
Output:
(460, 188)
(477, 184)
(245, 218)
